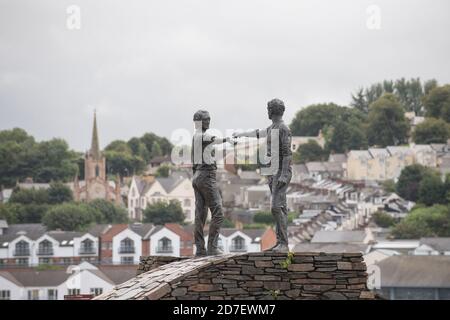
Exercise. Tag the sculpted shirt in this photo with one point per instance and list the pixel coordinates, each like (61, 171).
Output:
(202, 152)
(279, 156)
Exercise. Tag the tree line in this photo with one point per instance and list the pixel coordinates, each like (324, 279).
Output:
(375, 117)
(21, 156)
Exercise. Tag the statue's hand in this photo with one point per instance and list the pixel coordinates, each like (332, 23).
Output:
(232, 140)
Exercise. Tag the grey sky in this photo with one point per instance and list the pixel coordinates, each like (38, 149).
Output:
(149, 65)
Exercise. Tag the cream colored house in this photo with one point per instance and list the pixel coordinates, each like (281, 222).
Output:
(148, 191)
(298, 141)
(387, 163)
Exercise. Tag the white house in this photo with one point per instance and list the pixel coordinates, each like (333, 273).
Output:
(127, 247)
(148, 190)
(165, 242)
(235, 240)
(85, 278)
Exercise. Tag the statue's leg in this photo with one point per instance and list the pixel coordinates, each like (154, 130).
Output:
(279, 211)
(201, 212)
(214, 201)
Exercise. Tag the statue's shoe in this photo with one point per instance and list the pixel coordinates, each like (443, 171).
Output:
(281, 248)
(214, 252)
(270, 249)
(200, 253)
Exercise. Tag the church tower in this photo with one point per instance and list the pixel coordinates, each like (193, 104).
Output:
(95, 168)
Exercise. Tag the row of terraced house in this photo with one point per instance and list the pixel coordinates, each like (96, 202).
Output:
(23, 245)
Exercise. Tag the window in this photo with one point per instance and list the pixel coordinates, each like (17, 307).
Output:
(96, 291)
(33, 294)
(44, 261)
(52, 294)
(22, 248)
(126, 246)
(67, 260)
(45, 248)
(22, 262)
(2, 262)
(164, 245)
(87, 247)
(238, 244)
(126, 260)
(187, 202)
(73, 292)
(97, 171)
(5, 295)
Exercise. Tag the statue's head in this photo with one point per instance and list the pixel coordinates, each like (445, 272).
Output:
(275, 107)
(202, 119)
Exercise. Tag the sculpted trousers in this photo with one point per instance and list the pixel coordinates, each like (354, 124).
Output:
(207, 196)
(279, 206)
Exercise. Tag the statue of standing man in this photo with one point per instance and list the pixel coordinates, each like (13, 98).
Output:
(205, 186)
(280, 156)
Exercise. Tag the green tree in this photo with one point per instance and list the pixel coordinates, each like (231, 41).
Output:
(409, 181)
(310, 120)
(59, 193)
(387, 125)
(383, 219)
(431, 131)
(345, 136)
(163, 171)
(432, 189)
(109, 213)
(388, 185)
(310, 151)
(163, 212)
(437, 103)
(424, 222)
(263, 217)
(70, 217)
(227, 223)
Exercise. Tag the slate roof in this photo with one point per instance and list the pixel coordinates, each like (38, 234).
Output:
(331, 247)
(30, 230)
(338, 236)
(34, 278)
(415, 271)
(438, 244)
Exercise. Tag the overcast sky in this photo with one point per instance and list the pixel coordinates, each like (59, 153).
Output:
(147, 66)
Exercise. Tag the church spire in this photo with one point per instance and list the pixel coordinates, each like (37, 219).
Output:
(95, 146)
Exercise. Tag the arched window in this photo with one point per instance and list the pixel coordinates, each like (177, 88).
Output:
(164, 245)
(87, 247)
(97, 171)
(22, 248)
(238, 244)
(126, 246)
(45, 248)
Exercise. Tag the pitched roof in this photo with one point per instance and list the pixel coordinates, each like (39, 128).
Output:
(170, 183)
(315, 166)
(439, 244)
(141, 229)
(61, 236)
(330, 247)
(184, 234)
(338, 236)
(30, 230)
(113, 231)
(34, 278)
(99, 229)
(415, 271)
(120, 273)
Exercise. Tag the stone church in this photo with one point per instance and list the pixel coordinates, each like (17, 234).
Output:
(96, 184)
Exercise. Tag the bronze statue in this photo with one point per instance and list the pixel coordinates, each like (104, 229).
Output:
(280, 171)
(205, 185)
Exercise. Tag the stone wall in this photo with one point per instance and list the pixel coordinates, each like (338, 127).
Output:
(264, 275)
(153, 262)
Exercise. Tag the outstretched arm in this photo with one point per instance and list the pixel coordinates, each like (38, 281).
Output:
(258, 133)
